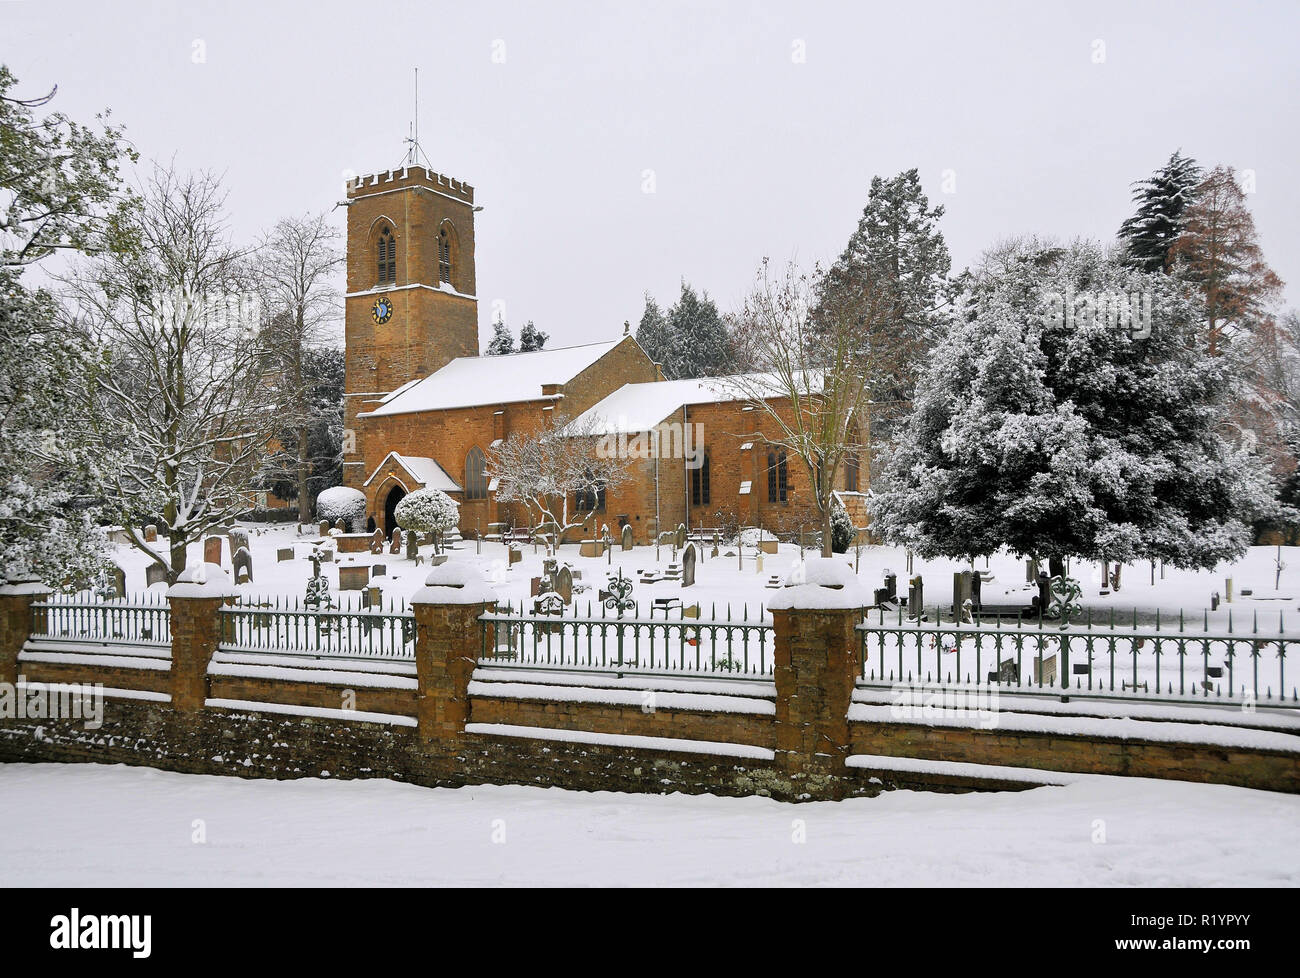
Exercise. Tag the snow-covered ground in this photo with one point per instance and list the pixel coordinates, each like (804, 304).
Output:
(91, 825)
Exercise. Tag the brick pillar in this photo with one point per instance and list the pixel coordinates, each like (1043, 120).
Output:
(15, 623)
(816, 655)
(448, 639)
(196, 632)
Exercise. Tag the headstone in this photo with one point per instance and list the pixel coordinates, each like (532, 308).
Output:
(516, 555)
(327, 556)
(915, 597)
(1045, 671)
(716, 542)
(564, 584)
(961, 591)
(758, 562)
(283, 554)
(534, 586)
(1044, 592)
(354, 578)
(1031, 571)
(627, 536)
(339, 525)
(891, 586)
(395, 546)
(119, 582)
(212, 550)
(680, 537)
(151, 534)
(242, 561)
(154, 574)
(688, 565)
(1008, 672)
(324, 528)
(976, 585)
(377, 541)
(1227, 590)
(379, 570)
(435, 560)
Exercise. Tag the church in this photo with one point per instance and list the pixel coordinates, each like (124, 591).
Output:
(423, 409)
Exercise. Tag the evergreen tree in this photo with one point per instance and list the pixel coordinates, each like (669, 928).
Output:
(1162, 199)
(701, 342)
(654, 333)
(531, 338)
(502, 340)
(1044, 425)
(322, 375)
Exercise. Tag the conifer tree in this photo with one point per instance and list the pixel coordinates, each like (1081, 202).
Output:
(1162, 200)
(531, 338)
(502, 341)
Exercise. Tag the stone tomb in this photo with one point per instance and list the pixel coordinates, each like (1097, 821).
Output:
(354, 577)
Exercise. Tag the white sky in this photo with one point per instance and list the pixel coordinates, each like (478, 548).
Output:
(753, 154)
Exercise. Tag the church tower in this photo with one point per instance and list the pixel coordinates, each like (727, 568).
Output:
(411, 305)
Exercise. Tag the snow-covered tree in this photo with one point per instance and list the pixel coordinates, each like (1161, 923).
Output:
(292, 269)
(1048, 423)
(427, 511)
(531, 338)
(559, 473)
(182, 404)
(1161, 200)
(342, 503)
(654, 334)
(703, 343)
(502, 342)
(323, 377)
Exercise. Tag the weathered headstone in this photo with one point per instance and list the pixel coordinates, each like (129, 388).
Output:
(716, 542)
(354, 577)
(242, 562)
(1045, 671)
(688, 565)
(564, 584)
(379, 570)
(1044, 593)
(324, 528)
(916, 597)
(891, 586)
(395, 546)
(119, 583)
(154, 574)
(412, 545)
(283, 554)
(961, 591)
(340, 526)
(237, 539)
(327, 556)
(151, 534)
(976, 587)
(679, 540)
(1008, 672)
(627, 536)
(515, 555)
(212, 550)
(377, 541)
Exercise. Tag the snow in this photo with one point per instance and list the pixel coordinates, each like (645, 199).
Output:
(31, 654)
(590, 694)
(423, 470)
(960, 769)
(1120, 728)
(763, 689)
(454, 583)
(202, 581)
(24, 587)
(710, 747)
(91, 825)
(821, 582)
(337, 677)
(471, 381)
(325, 712)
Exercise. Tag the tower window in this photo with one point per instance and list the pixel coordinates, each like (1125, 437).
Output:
(444, 257)
(476, 481)
(387, 254)
(778, 477)
(851, 472)
(700, 483)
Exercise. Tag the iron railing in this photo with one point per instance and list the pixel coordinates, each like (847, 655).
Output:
(139, 620)
(291, 628)
(639, 642)
(1160, 659)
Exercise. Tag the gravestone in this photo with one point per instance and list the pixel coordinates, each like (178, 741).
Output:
(283, 554)
(379, 570)
(516, 555)
(212, 550)
(237, 539)
(154, 574)
(1044, 592)
(151, 534)
(1008, 672)
(716, 541)
(119, 582)
(891, 586)
(1045, 671)
(242, 561)
(976, 585)
(680, 537)
(377, 541)
(327, 556)
(354, 578)
(564, 584)
(627, 536)
(395, 546)
(412, 545)
(1031, 571)
(915, 597)
(534, 586)
(961, 591)
(338, 525)
(688, 565)
(324, 528)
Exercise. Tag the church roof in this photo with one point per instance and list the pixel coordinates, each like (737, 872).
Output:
(640, 407)
(420, 468)
(477, 381)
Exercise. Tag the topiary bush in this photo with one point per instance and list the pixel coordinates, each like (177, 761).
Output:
(342, 503)
(427, 511)
(842, 530)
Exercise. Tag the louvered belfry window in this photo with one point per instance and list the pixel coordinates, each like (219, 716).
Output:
(387, 253)
(444, 257)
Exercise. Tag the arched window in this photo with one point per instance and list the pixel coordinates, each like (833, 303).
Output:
(700, 483)
(851, 472)
(778, 477)
(444, 256)
(386, 252)
(476, 480)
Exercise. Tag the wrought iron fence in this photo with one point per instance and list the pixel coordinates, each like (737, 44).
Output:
(739, 646)
(1163, 660)
(140, 619)
(293, 628)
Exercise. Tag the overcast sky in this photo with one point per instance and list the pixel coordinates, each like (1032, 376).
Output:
(762, 122)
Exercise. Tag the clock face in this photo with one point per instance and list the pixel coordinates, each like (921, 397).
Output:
(382, 311)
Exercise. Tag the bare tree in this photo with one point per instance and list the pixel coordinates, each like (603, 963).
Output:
(180, 404)
(546, 470)
(292, 267)
(814, 374)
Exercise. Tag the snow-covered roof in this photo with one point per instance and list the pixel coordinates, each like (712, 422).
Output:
(474, 381)
(422, 469)
(640, 407)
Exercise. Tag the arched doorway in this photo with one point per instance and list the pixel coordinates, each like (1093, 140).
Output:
(390, 505)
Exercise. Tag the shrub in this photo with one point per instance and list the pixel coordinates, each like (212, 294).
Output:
(342, 503)
(842, 531)
(427, 511)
